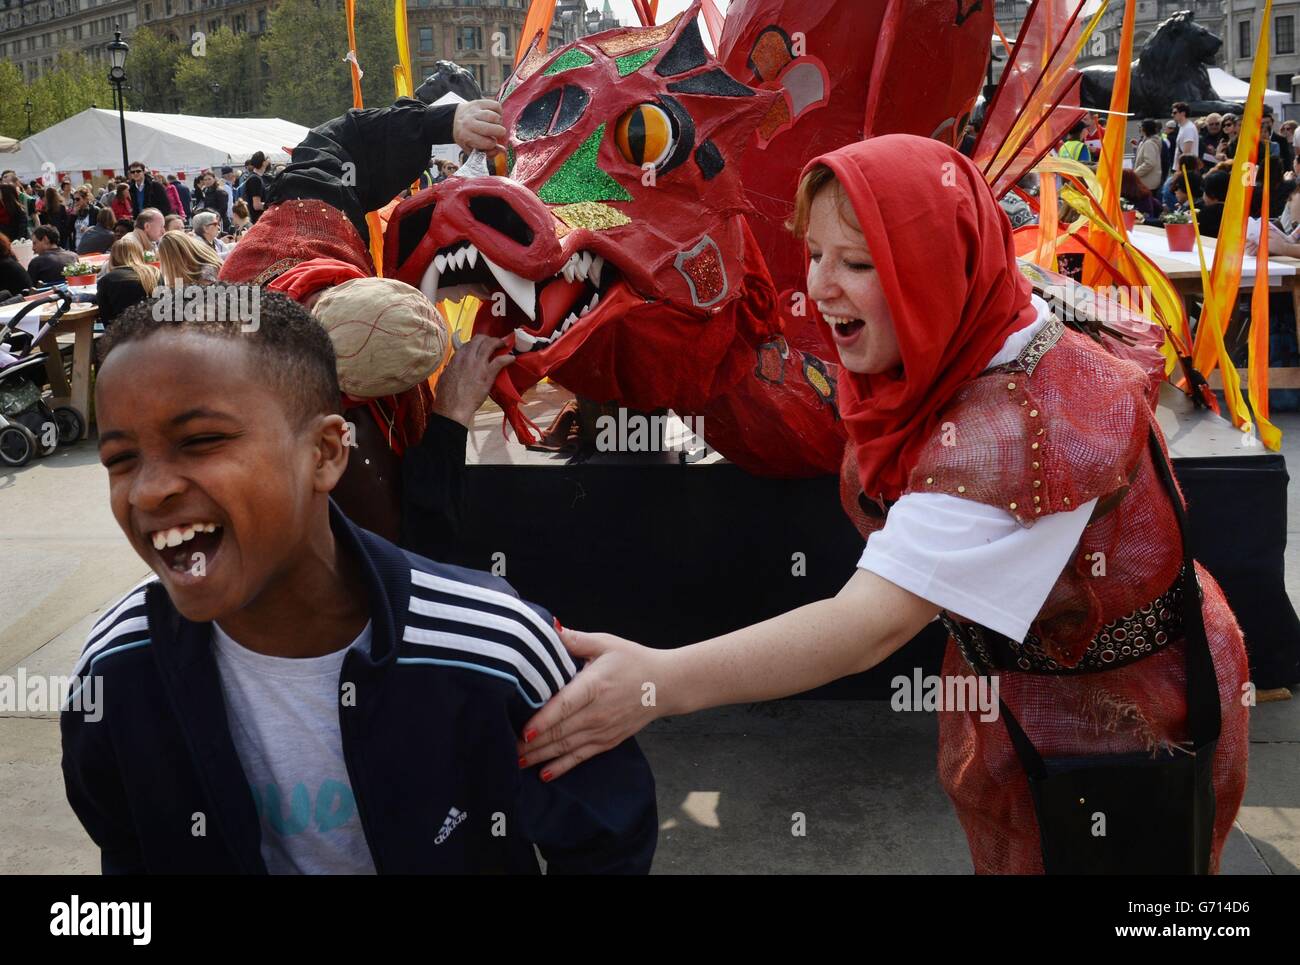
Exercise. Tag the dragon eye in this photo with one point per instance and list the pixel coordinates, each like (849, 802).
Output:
(645, 135)
(502, 163)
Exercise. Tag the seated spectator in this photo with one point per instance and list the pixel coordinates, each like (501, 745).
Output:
(1175, 183)
(150, 224)
(1181, 201)
(101, 236)
(239, 222)
(122, 228)
(14, 279)
(13, 213)
(173, 222)
(50, 258)
(85, 213)
(207, 226)
(55, 214)
(127, 278)
(1135, 193)
(1210, 214)
(184, 260)
(1279, 189)
(121, 203)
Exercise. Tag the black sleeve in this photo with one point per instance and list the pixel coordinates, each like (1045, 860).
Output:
(600, 818)
(362, 160)
(433, 490)
(94, 789)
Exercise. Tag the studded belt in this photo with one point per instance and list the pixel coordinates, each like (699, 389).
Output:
(1134, 636)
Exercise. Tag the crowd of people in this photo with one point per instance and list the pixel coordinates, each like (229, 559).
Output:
(155, 230)
(1181, 164)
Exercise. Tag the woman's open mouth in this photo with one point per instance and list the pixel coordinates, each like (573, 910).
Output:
(187, 550)
(844, 329)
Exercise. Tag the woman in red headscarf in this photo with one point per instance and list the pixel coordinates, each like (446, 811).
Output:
(1008, 474)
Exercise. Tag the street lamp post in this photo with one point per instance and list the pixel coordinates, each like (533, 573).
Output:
(117, 51)
(216, 97)
(27, 106)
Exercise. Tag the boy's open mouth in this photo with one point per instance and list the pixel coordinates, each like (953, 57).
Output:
(188, 548)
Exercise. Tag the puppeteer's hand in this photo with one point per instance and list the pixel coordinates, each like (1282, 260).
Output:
(464, 383)
(477, 126)
(610, 699)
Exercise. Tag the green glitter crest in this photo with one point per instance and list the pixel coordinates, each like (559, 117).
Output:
(569, 60)
(581, 179)
(634, 62)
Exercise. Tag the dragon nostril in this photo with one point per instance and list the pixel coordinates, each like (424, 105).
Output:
(496, 213)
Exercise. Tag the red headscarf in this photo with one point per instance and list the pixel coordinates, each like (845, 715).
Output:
(945, 256)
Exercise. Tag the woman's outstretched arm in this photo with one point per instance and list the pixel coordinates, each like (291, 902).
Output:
(624, 686)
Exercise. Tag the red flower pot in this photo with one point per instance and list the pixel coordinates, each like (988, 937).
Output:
(1130, 217)
(80, 280)
(1181, 237)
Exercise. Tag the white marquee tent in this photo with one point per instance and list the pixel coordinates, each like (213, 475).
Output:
(168, 143)
(1234, 89)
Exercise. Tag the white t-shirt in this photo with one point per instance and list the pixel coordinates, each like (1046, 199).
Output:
(973, 560)
(1188, 132)
(284, 719)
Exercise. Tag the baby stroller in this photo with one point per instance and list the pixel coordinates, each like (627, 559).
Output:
(28, 426)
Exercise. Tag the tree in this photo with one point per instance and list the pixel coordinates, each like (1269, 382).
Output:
(224, 58)
(305, 46)
(151, 72)
(73, 84)
(13, 119)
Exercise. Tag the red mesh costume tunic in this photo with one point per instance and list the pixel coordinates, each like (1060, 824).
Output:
(1087, 414)
(1066, 423)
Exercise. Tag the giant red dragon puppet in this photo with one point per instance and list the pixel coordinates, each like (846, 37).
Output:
(632, 241)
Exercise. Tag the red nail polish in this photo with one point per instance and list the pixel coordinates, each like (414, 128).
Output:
(559, 628)
(546, 775)
(529, 735)
(523, 762)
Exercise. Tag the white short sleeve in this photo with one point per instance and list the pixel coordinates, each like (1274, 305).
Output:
(974, 560)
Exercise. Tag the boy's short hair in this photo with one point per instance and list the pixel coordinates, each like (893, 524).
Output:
(47, 233)
(293, 351)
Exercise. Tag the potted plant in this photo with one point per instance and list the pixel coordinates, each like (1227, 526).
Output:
(1128, 213)
(1179, 232)
(79, 273)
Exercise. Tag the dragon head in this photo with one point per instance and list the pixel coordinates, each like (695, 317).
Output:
(610, 240)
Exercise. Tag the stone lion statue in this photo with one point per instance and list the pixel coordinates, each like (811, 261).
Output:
(1171, 66)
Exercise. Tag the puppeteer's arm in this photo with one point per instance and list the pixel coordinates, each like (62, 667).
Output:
(362, 160)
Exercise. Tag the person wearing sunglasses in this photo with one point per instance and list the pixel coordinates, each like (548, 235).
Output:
(145, 192)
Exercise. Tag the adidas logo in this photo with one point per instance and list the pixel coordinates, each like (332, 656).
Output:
(449, 824)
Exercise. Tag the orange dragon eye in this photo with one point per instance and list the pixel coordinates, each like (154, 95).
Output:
(501, 163)
(644, 135)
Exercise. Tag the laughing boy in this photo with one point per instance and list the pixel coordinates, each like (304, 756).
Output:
(288, 692)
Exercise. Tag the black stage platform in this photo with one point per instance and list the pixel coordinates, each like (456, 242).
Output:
(667, 554)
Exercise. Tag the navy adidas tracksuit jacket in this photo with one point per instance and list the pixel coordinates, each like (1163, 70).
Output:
(457, 665)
